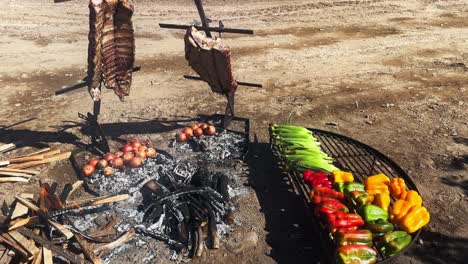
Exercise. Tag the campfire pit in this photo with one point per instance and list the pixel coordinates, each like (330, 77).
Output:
(182, 198)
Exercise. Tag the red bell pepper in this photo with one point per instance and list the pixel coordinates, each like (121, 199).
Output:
(316, 179)
(319, 194)
(330, 206)
(345, 229)
(342, 219)
(352, 254)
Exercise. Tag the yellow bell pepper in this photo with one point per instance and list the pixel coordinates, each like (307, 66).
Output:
(415, 219)
(398, 188)
(398, 211)
(382, 200)
(379, 178)
(377, 184)
(414, 198)
(342, 176)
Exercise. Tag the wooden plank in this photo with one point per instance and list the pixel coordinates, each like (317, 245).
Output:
(20, 209)
(62, 229)
(47, 256)
(28, 245)
(35, 153)
(7, 240)
(22, 222)
(7, 147)
(62, 156)
(5, 258)
(75, 187)
(107, 248)
(56, 225)
(87, 250)
(59, 251)
(15, 174)
(112, 199)
(4, 163)
(13, 179)
(38, 258)
(32, 172)
(40, 156)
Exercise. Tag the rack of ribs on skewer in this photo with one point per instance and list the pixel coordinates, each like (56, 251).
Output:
(210, 58)
(111, 50)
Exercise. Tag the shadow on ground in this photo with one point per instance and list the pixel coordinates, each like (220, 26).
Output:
(290, 234)
(441, 249)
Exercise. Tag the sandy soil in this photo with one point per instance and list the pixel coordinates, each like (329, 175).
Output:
(392, 74)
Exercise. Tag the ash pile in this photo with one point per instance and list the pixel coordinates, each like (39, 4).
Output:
(180, 203)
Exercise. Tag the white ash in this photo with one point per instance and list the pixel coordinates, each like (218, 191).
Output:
(221, 153)
(224, 145)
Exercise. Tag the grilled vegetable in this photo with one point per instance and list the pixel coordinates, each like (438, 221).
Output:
(348, 187)
(377, 184)
(342, 219)
(316, 179)
(398, 188)
(319, 194)
(357, 237)
(359, 198)
(394, 242)
(330, 206)
(372, 212)
(382, 200)
(300, 150)
(415, 219)
(379, 227)
(342, 176)
(354, 254)
(414, 198)
(399, 209)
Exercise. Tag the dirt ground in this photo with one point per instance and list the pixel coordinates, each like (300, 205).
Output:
(392, 74)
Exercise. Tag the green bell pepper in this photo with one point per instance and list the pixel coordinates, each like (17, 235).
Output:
(379, 227)
(347, 187)
(352, 254)
(356, 237)
(394, 242)
(372, 212)
(358, 199)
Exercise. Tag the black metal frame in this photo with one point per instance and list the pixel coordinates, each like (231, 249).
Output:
(229, 113)
(353, 156)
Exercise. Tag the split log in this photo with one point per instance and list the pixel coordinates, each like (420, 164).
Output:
(59, 251)
(108, 229)
(38, 258)
(7, 240)
(112, 199)
(13, 179)
(5, 257)
(67, 233)
(20, 209)
(32, 172)
(40, 156)
(75, 187)
(97, 201)
(62, 156)
(87, 249)
(22, 222)
(8, 147)
(105, 249)
(35, 153)
(15, 174)
(47, 256)
(28, 245)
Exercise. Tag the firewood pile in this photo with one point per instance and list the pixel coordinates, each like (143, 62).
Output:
(17, 169)
(40, 231)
